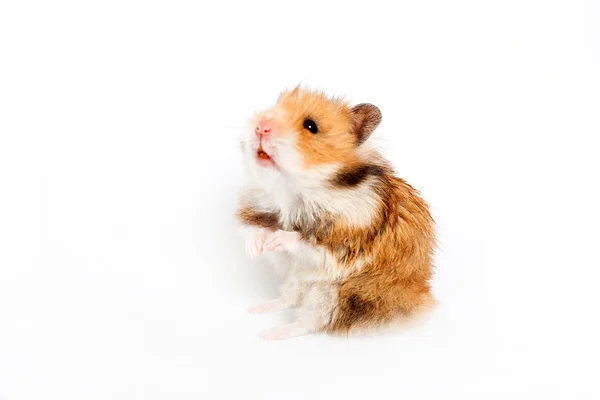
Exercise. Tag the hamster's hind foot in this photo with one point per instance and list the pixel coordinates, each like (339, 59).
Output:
(285, 332)
(270, 306)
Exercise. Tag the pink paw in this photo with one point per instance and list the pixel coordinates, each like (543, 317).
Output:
(255, 245)
(282, 240)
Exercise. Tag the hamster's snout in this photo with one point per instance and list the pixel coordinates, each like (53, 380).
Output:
(264, 127)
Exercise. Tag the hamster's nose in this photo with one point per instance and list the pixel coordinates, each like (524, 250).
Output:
(264, 127)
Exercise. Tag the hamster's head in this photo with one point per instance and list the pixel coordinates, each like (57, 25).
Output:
(306, 136)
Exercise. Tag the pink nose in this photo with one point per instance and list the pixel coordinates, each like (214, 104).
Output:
(264, 127)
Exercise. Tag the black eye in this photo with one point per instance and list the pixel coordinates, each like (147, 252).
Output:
(310, 125)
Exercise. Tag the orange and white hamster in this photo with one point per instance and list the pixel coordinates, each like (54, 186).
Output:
(353, 242)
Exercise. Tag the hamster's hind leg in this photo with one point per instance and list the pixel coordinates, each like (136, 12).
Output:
(314, 313)
(290, 291)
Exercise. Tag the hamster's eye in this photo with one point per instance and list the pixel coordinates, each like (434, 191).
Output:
(310, 125)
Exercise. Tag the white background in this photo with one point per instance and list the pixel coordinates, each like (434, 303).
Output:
(122, 275)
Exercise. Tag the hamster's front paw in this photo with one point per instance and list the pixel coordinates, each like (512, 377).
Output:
(255, 244)
(282, 240)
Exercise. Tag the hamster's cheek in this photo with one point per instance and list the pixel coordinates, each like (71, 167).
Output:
(286, 154)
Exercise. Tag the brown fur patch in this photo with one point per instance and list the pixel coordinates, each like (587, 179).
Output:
(356, 174)
(353, 309)
(252, 217)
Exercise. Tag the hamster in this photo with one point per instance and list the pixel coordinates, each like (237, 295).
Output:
(353, 242)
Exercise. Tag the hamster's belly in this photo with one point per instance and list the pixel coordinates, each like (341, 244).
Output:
(281, 262)
(306, 263)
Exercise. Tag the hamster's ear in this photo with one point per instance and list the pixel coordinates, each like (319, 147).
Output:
(365, 118)
(289, 93)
